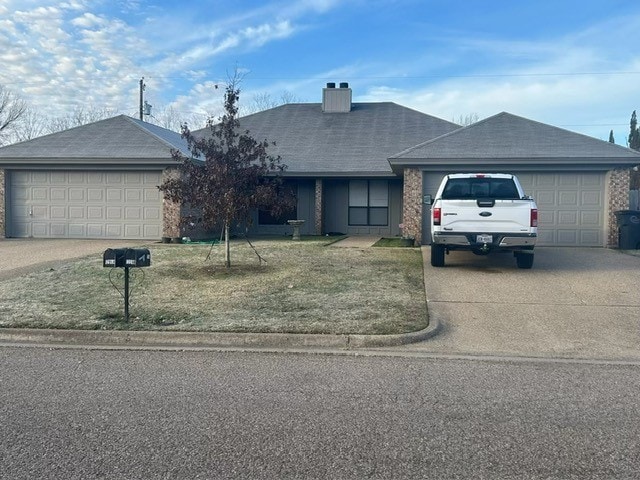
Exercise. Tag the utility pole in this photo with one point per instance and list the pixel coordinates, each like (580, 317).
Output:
(142, 85)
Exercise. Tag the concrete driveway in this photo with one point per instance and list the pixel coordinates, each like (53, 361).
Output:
(574, 303)
(19, 256)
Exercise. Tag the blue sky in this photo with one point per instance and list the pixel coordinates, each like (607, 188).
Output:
(570, 63)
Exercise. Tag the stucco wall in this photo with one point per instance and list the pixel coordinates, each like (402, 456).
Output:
(618, 183)
(412, 205)
(2, 204)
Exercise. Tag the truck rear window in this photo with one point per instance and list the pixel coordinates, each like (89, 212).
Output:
(466, 188)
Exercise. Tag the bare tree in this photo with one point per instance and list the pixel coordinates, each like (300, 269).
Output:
(171, 119)
(79, 116)
(12, 107)
(32, 124)
(237, 175)
(466, 120)
(264, 101)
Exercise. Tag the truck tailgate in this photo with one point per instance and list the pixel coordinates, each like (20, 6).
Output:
(512, 216)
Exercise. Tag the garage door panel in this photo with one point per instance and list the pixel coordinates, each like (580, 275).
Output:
(86, 204)
(544, 197)
(114, 231)
(95, 230)
(39, 229)
(114, 195)
(58, 230)
(40, 193)
(132, 195)
(76, 194)
(114, 213)
(58, 212)
(77, 230)
(567, 237)
(568, 198)
(592, 198)
(151, 231)
(95, 213)
(591, 218)
(95, 195)
(152, 213)
(568, 218)
(133, 213)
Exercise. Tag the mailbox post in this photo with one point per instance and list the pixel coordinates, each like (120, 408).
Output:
(126, 258)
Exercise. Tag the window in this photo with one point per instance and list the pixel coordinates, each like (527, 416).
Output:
(471, 188)
(368, 202)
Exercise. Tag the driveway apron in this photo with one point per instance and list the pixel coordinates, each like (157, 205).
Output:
(25, 255)
(574, 303)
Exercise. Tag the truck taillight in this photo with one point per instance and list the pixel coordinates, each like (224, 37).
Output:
(437, 216)
(534, 217)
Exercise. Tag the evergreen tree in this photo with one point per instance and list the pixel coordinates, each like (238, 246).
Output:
(634, 134)
(611, 139)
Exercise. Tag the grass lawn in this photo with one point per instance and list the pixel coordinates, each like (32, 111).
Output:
(304, 287)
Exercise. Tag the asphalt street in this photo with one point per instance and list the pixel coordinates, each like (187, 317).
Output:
(141, 414)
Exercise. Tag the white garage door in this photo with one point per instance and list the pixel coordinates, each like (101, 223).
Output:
(570, 206)
(78, 204)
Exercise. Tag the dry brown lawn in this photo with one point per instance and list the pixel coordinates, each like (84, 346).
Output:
(304, 287)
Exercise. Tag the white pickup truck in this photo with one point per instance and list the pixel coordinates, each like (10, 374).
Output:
(483, 213)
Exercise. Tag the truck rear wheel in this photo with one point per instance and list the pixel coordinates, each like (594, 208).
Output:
(437, 255)
(524, 260)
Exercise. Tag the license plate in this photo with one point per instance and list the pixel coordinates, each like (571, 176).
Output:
(484, 238)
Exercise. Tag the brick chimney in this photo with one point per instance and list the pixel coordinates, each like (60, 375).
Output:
(336, 100)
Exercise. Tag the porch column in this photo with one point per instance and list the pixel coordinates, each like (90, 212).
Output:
(171, 211)
(318, 207)
(3, 190)
(412, 204)
(618, 184)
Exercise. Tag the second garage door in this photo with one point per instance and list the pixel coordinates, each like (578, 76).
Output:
(571, 206)
(85, 204)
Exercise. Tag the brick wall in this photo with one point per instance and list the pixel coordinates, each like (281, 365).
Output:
(318, 207)
(412, 204)
(618, 197)
(3, 231)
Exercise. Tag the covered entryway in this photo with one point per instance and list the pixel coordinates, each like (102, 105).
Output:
(84, 204)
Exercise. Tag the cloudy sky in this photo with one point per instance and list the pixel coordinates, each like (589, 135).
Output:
(571, 63)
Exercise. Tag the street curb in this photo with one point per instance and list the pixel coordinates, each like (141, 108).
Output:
(165, 339)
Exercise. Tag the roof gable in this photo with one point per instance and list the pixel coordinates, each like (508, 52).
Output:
(312, 142)
(119, 137)
(508, 136)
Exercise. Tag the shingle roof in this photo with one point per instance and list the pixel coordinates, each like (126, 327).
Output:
(508, 136)
(115, 138)
(356, 143)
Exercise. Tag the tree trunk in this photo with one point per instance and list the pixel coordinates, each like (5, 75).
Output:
(227, 250)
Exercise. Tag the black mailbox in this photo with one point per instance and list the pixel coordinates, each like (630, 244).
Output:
(113, 257)
(137, 257)
(126, 257)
